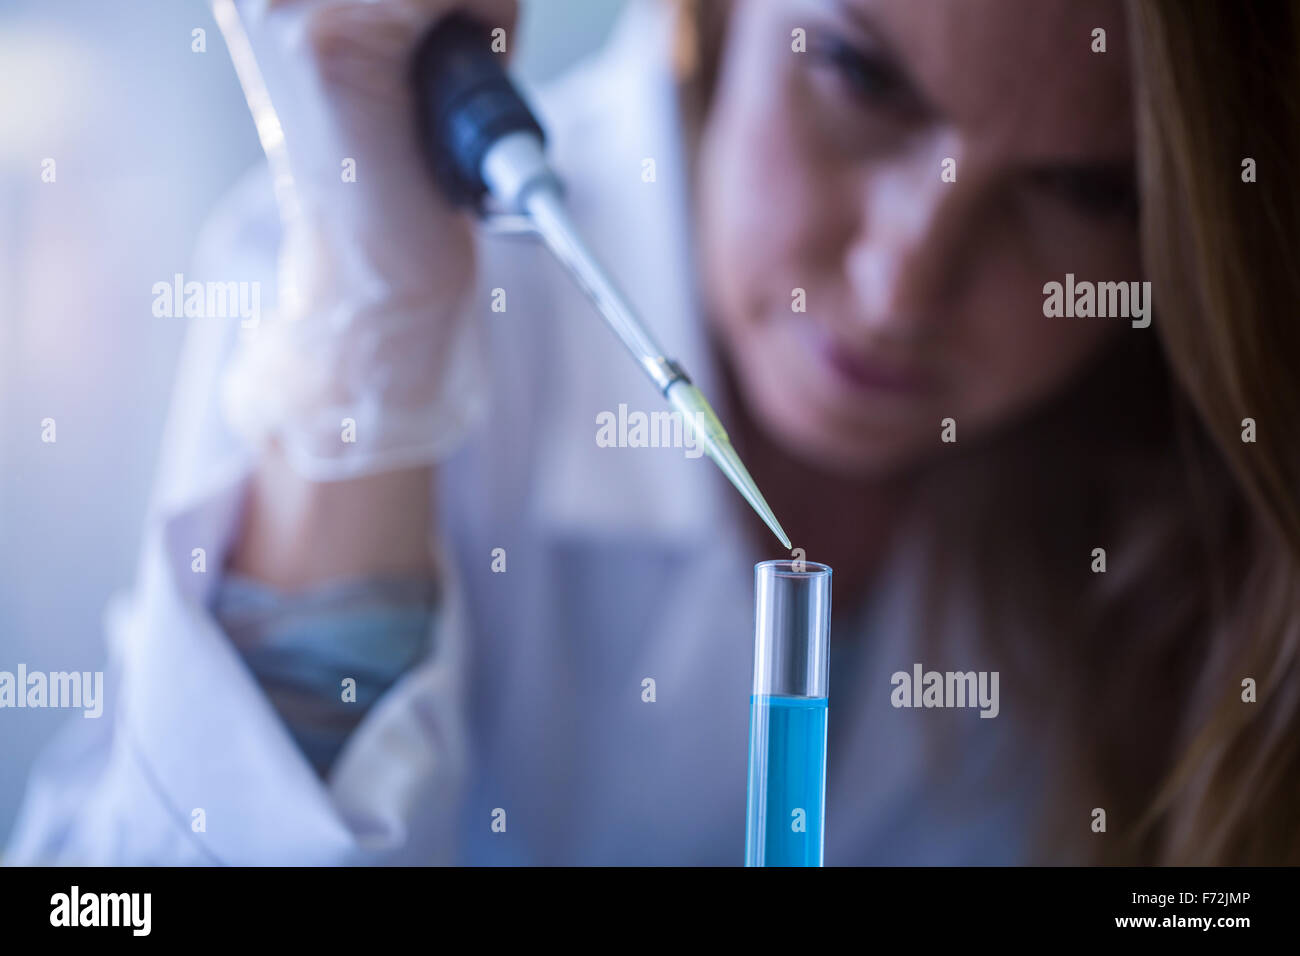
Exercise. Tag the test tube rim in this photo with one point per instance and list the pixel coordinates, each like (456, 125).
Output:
(785, 568)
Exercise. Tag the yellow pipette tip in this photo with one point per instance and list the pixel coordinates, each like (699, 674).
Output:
(695, 408)
(726, 458)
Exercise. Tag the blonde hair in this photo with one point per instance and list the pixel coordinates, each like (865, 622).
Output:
(1218, 83)
(1140, 670)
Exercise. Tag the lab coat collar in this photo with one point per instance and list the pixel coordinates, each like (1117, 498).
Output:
(607, 121)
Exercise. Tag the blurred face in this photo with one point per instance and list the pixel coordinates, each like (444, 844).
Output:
(822, 171)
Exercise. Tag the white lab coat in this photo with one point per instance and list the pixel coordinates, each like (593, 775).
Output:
(622, 564)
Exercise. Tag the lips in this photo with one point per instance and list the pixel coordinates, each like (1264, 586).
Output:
(865, 371)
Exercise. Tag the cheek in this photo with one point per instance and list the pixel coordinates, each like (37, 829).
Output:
(1005, 353)
(767, 226)
(1027, 359)
(1010, 355)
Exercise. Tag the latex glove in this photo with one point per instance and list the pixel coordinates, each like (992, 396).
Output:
(374, 277)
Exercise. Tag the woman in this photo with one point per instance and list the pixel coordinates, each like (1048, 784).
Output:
(1077, 504)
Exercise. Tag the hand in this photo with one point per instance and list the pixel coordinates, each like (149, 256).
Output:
(374, 272)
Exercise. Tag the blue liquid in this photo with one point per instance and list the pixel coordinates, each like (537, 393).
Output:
(787, 773)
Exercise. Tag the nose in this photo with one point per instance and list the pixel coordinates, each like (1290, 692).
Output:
(902, 262)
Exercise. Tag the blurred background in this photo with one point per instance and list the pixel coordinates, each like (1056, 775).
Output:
(146, 136)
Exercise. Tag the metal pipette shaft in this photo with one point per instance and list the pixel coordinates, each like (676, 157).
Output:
(550, 217)
(516, 172)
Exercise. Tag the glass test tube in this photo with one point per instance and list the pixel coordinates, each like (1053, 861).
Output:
(786, 814)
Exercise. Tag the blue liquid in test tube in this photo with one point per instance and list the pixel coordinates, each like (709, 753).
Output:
(786, 813)
(787, 769)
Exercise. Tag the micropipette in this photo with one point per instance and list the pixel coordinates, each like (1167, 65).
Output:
(481, 139)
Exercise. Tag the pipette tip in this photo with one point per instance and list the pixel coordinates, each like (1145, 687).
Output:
(726, 458)
(691, 402)
(780, 534)
(760, 505)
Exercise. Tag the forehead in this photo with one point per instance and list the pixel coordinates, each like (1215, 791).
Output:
(1016, 75)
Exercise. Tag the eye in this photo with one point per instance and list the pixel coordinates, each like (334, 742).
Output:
(870, 78)
(1102, 192)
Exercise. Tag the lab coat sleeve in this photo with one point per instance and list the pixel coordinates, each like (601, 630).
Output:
(326, 654)
(186, 764)
(189, 762)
